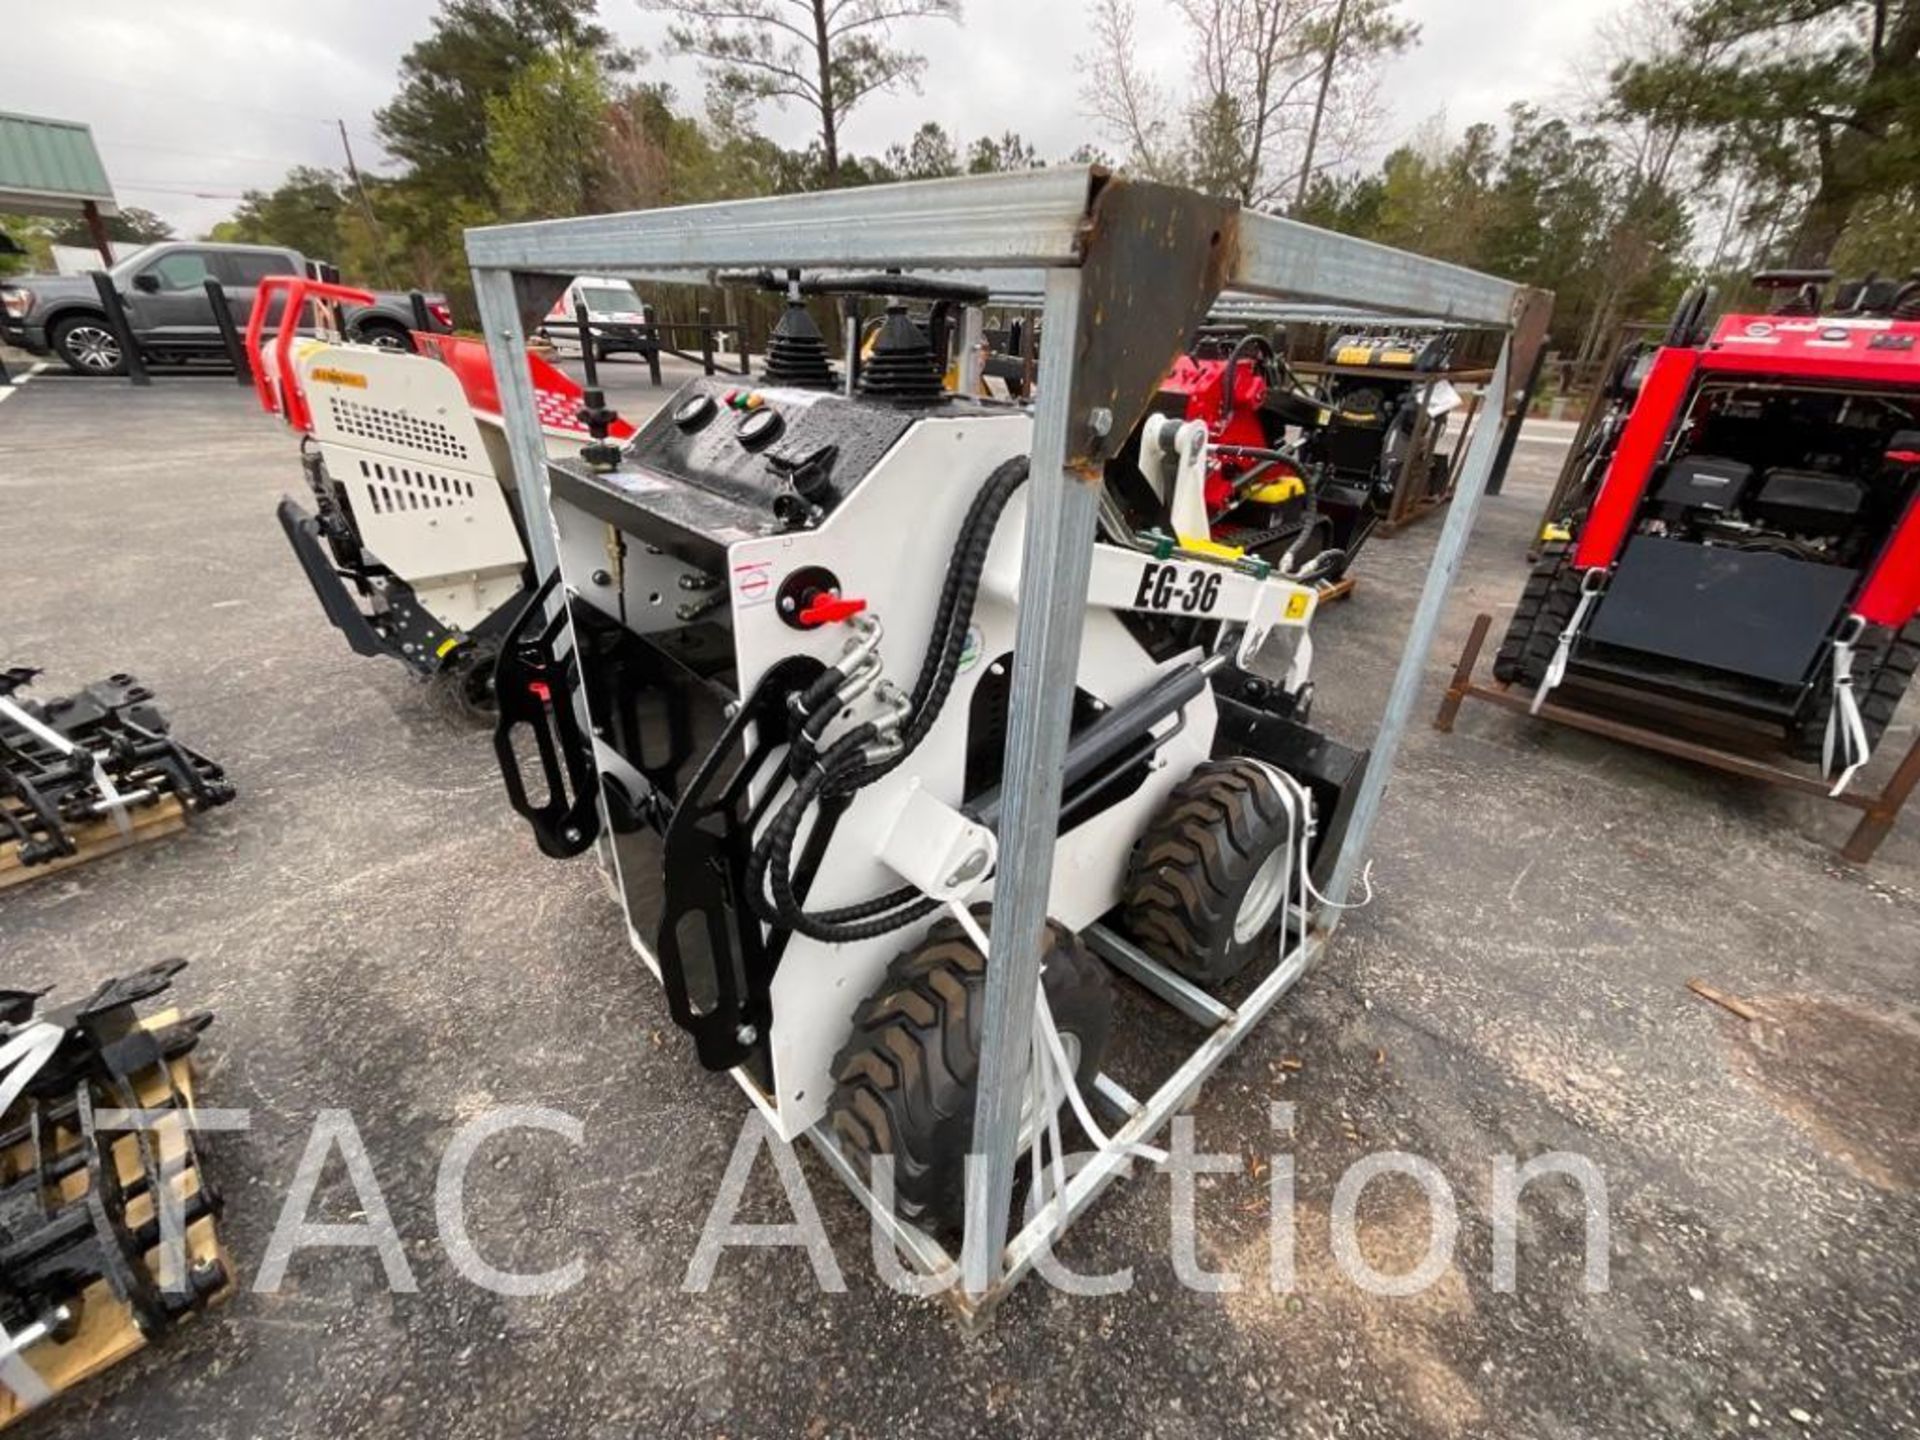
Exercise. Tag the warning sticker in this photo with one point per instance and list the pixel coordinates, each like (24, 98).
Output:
(753, 582)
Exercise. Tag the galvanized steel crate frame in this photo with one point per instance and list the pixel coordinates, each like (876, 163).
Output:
(1126, 270)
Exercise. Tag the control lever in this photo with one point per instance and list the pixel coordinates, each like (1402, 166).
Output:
(830, 609)
(594, 411)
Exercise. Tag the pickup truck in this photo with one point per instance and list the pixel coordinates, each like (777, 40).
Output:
(163, 288)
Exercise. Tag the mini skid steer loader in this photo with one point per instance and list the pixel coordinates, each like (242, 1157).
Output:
(1742, 557)
(774, 680)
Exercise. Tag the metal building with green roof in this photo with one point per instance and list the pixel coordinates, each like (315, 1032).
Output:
(52, 168)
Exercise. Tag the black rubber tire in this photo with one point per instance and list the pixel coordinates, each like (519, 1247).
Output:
(387, 335)
(904, 1081)
(1546, 605)
(475, 680)
(60, 337)
(1192, 868)
(464, 685)
(1879, 684)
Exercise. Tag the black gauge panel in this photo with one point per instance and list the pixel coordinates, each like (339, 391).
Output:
(695, 412)
(761, 427)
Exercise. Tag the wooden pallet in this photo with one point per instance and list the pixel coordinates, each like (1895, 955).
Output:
(100, 837)
(106, 1334)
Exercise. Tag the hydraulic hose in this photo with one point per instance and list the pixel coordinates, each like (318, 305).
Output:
(845, 768)
(1246, 343)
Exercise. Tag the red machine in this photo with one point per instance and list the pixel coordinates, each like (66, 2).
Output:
(555, 394)
(276, 382)
(1202, 382)
(1747, 558)
(1277, 499)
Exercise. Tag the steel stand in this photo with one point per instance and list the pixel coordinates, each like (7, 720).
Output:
(229, 332)
(1881, 810)
(1125, 271)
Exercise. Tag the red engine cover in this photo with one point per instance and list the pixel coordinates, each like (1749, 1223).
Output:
(1203, 383)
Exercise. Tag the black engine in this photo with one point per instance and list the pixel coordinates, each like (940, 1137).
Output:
(1801, 473)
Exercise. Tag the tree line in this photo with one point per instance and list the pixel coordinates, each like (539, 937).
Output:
(1703, 139)
(1696, 138)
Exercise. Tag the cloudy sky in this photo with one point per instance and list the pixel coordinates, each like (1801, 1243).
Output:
(277, 78)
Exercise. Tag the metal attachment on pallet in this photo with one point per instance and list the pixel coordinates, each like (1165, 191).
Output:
(101, 756)
(105, 1183)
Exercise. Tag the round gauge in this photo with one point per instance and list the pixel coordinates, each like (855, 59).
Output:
(694, 412)
(760, 427)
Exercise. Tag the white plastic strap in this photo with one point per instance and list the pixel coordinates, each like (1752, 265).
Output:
(1846, 747)
(23, 1057)
(1299, 802)
(1557, 669)
(116, 806)
(1044, 1075)
(1050, 1056)
(33, 727)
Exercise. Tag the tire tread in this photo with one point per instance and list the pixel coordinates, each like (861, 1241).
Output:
(904, 1080)
(1191, 867)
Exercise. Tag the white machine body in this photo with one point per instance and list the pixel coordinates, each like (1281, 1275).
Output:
(888, 541)
(398, 436)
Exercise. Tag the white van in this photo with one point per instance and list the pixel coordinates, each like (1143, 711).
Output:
(615, 312)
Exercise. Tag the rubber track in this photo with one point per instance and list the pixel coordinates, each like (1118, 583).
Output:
(1546, 605)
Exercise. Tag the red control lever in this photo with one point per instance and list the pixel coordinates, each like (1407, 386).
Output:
(830, 609)
(1903, 457)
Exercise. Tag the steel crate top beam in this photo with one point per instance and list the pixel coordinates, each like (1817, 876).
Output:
(1293, 261)
(1026, 219)
(1017, 289)
(1019, 222)
(1261, 309)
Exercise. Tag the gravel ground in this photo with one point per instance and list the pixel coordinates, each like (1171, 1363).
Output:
(377, 934)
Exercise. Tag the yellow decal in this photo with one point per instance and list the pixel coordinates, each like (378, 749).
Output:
(1353, 355)
(1211, 549)
(1297, 605)
(1551, 532)
(450, 643)
(327, 375)
(1397, 357)
(1277, 492)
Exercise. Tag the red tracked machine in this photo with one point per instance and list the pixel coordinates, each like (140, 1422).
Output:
(1743, 559)
(412, 533)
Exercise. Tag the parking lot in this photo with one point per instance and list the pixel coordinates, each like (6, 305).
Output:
(378, 934)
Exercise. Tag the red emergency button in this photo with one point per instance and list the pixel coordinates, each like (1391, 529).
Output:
(830, 609)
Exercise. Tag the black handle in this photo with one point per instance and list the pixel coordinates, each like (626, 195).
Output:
(535, 687)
